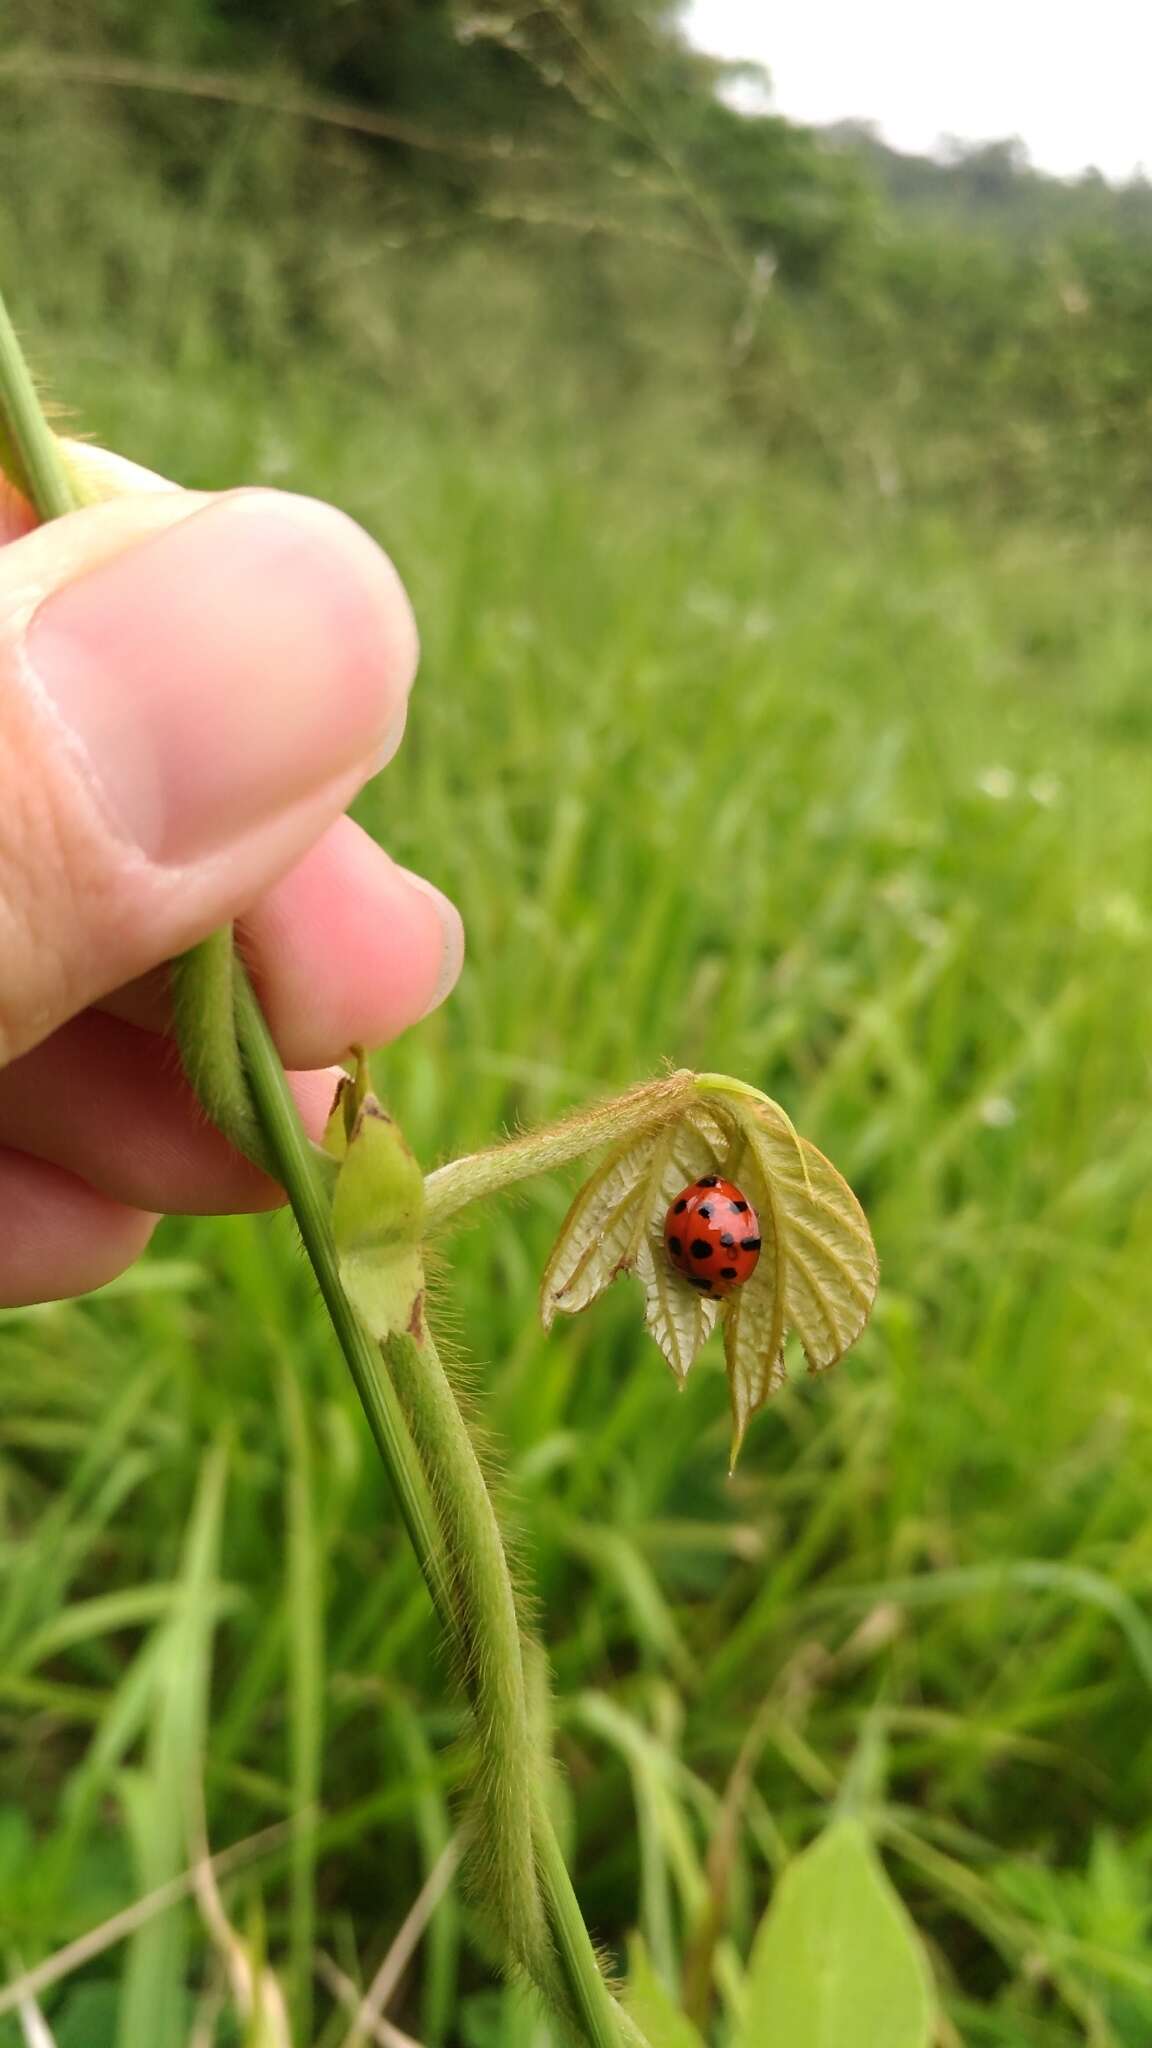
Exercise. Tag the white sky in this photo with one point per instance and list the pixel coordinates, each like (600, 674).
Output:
(1073, 81)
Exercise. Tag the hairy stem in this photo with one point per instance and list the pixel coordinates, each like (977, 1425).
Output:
(29, 452)
(426, 1448)
(487, 1636)
(450, 1188)
(291, 1154)
(204, 986)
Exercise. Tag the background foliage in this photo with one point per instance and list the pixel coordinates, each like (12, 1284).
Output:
(772, 509)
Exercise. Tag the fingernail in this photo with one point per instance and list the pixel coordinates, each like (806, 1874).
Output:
(226, 668)
(452, 928)
(390, 744)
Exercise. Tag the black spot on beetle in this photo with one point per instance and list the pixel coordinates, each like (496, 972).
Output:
(701, 1281)
(727, 1240)
(709, 1180)
(728, 1272)
(700, 1248)
(675, 1247)
(749, 1244)
(704, 1211)
(680, 1207)
(739, 1206)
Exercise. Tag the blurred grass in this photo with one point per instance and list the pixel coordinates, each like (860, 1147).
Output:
(844, 796)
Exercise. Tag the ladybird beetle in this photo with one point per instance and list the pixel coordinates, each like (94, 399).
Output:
(712, 1236)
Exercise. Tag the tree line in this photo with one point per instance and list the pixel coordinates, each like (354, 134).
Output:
(929, 321)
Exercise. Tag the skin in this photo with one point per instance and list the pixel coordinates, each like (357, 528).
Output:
(127, 831)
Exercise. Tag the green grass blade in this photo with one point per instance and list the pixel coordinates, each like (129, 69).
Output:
(164, 1796)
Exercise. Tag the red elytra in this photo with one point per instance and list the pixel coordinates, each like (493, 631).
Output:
(712, 1235)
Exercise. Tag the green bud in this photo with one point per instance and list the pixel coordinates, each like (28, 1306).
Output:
(378, 1218)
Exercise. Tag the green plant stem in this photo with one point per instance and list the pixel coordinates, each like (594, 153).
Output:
(487, 1639)
(606, 2025)
(481, 1174)
(29, 451)
(291, 1152)
(203, 983)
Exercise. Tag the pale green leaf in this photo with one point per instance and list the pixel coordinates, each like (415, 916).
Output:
(597, 1235)
(831, 1266)
(754, 1314)
(616, 1225)
(837, 1962)
(817, 1271)
(678, 1317)
(649, 2005)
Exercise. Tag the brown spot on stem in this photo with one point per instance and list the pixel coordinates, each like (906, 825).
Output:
(416, 1319)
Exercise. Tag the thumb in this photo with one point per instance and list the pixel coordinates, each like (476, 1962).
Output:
(191, 689)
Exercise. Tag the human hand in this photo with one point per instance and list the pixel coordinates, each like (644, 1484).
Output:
(192, 689)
